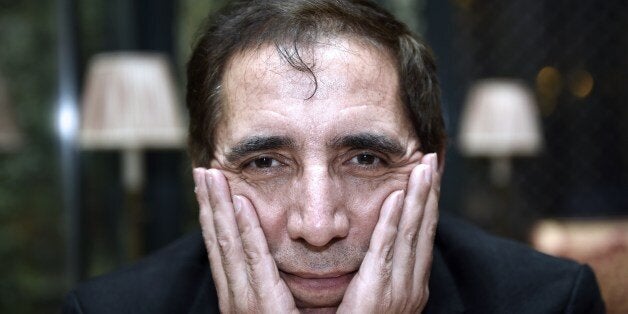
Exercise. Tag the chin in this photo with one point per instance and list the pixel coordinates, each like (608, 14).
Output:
(318, 303)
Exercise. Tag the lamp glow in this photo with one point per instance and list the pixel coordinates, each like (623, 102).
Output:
(500, 120)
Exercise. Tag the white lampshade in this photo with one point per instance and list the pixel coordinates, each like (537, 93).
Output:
(500, 119)
(10, 136)
(130, 103)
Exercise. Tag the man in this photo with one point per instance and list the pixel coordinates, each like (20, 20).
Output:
(317, 141)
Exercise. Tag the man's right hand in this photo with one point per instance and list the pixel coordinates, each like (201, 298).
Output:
(245, 274)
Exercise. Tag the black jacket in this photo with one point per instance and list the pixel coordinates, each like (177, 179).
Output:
(472, 272)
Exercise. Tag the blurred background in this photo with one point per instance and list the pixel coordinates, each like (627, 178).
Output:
(94, 174)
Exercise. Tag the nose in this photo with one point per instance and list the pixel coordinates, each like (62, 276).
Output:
(319, 214)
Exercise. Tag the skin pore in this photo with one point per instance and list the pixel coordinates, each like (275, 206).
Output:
(316, 166)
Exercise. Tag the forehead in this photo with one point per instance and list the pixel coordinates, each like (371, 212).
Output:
(351, 86)
(337, 65)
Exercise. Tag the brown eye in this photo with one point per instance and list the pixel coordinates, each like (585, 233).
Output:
(265, 162)
(365, 159)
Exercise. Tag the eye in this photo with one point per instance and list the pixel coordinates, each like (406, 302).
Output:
(264, 162)
(366, 159)
(265, 166)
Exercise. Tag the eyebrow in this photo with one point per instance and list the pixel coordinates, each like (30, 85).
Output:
(256, 144)
(378, 142)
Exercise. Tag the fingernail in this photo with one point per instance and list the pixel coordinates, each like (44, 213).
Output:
(237, 203)
(434, 162)
(427, 174)
(209, 178)
(400, 197)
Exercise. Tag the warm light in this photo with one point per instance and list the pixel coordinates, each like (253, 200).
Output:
(549, 237)
(549, 84)
(581, 84)
(579, 238)
(549, 81)
(130, 104)
(499, 121)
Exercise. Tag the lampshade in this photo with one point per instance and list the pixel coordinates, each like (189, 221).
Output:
(10, 137)
(129, 103)
(500, 119)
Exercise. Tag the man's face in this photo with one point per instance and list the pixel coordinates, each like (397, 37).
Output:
(317, 164)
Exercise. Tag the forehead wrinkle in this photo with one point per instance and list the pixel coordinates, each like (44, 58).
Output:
(255, 64)
(262, 72)
(251, 69)
(243, 83)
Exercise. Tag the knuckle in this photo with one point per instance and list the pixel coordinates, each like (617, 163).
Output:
(253, 252)
(248, 231)
(210, 241)
(410, 235)
(204, 214)
(226, 245)
(385, 268)
(253, 256)
(388, 256)
(224, 242)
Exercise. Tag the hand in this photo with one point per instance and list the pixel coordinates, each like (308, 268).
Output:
(244, 272)
(394, 274)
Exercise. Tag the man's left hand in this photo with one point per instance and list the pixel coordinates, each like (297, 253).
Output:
(394, 274)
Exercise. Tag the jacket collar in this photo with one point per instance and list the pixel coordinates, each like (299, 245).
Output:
(444, 295)
(206, 300)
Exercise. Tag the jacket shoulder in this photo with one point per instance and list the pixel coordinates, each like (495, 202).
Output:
(165, 282)
(497, 275)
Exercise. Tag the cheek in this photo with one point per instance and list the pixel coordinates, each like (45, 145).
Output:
(364, 198)
(270, 198)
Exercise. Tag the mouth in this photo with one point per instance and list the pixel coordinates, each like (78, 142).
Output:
(312, 286)
(322, 276)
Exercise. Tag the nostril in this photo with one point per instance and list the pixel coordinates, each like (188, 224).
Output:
(318, 231)
(315, 248)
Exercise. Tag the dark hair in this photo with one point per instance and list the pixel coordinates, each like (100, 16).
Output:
(291, 25)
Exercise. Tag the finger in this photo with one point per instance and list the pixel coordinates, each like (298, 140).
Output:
(427, 231)
(254, 242)
(405, 251)
(227, 234)
(437, 169)
(209, 235)
(375, 270)
(385, 231)
(263, 271)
